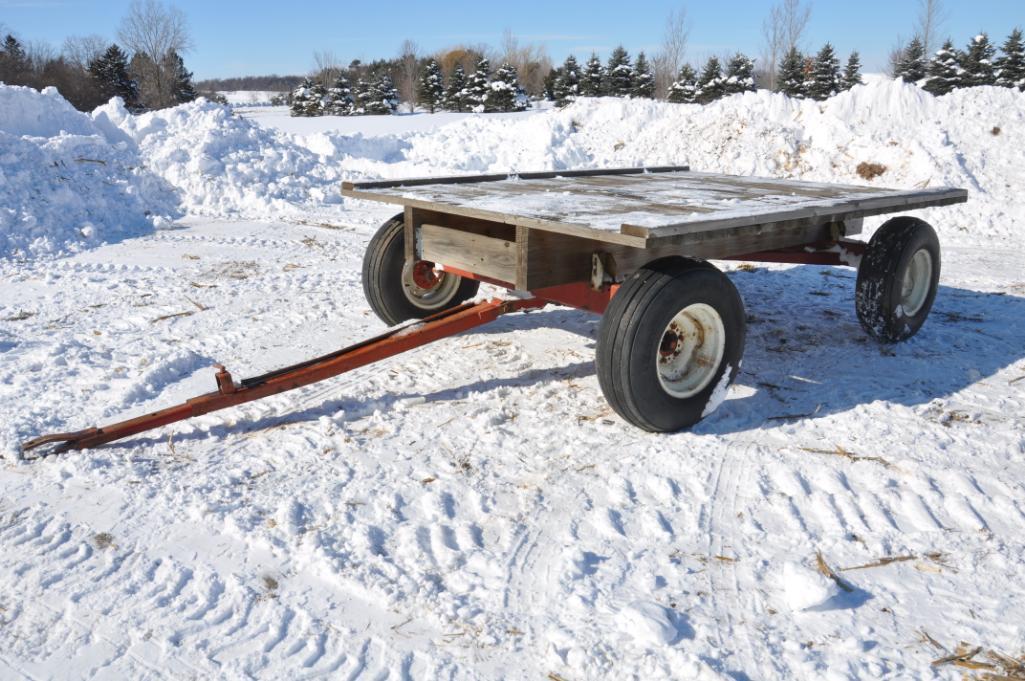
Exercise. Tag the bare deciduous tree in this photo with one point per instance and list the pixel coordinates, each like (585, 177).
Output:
(154, 30)
(82, 50)
(931, 15)
(531, 61)
(896, 56)
(772, 31)
(326, 67)
(796, 16)
(669, 59)
(408, 72)
(466, 56)
(39, 53)
(783, 29)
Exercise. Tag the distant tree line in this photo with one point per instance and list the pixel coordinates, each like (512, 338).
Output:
(273, 83)
(370, 90)
(149, 74)
(951, 68)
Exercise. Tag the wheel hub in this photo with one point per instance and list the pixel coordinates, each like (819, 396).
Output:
(424, 275)
(916, 283)
(691, 350)
(426, 286)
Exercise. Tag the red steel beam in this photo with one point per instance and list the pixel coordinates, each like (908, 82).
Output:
(841, 253)
(230, 394)
(580, 295)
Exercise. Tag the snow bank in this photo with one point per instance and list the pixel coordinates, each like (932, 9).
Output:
(200, 158)
(224, 165)
(65, 184)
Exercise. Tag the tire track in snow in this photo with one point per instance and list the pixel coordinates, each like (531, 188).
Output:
(193, 606)
(726, 549)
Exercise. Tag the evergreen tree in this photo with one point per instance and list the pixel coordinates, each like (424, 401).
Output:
(684, 89)
(455, 95)
(977, 62)
(179, 77)
(825, 75)
(644, 80)
(852, 72)
(567, 83)
(593, 82)
(339, 100)
(15, 67)
(739, 75)
(911, 66)
(382, 97)
(363, 97)
(431, 91)
(505, 93)
(477, 86)
(551, 84)
(109, 73)
(619, 74)
(711, 85)
(944, 70)
(791, 75)
(1011, 66)
(303, 103)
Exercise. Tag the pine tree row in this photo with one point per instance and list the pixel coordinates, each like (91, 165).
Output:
(619, 78)
(819, 77)
(375, 96)
(951, 68)
(481, 92)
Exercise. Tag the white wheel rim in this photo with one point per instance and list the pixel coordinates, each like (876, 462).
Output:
(916, 283)
(428, 298)
(690, 350)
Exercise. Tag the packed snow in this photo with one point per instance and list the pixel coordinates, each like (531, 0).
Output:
(473, 509)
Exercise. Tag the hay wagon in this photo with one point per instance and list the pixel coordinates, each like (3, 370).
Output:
(632, 244)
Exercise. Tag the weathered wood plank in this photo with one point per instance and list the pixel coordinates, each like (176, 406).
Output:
(487, 256)
(823, 211)
(555, 259)
(497, 177)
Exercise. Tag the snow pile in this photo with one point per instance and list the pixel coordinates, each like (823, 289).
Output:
(807, 589)
(67, 181)
(224, 165)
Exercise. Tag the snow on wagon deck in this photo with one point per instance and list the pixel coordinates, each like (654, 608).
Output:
(645, 203)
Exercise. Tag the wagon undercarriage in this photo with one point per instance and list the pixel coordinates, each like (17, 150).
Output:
(631, 244)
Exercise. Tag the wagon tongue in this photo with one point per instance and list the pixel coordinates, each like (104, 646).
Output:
(229, 394)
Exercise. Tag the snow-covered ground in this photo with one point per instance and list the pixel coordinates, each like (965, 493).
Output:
(249, 97)
(473, 509)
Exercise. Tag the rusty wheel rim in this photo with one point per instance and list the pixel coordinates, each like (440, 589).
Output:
(426, 286)
(690, 350)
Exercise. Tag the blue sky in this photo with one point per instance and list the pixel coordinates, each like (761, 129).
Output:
(235, 38)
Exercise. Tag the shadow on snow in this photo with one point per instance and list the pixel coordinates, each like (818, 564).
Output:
(806, 355)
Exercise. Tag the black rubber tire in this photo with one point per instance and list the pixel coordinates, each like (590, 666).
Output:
(382, 278)
(881, 277)
(631, 333)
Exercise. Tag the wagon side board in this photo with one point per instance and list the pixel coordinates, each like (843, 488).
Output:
(528, 259)
(554, 259)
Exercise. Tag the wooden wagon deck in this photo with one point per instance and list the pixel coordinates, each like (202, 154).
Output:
(542, 229)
